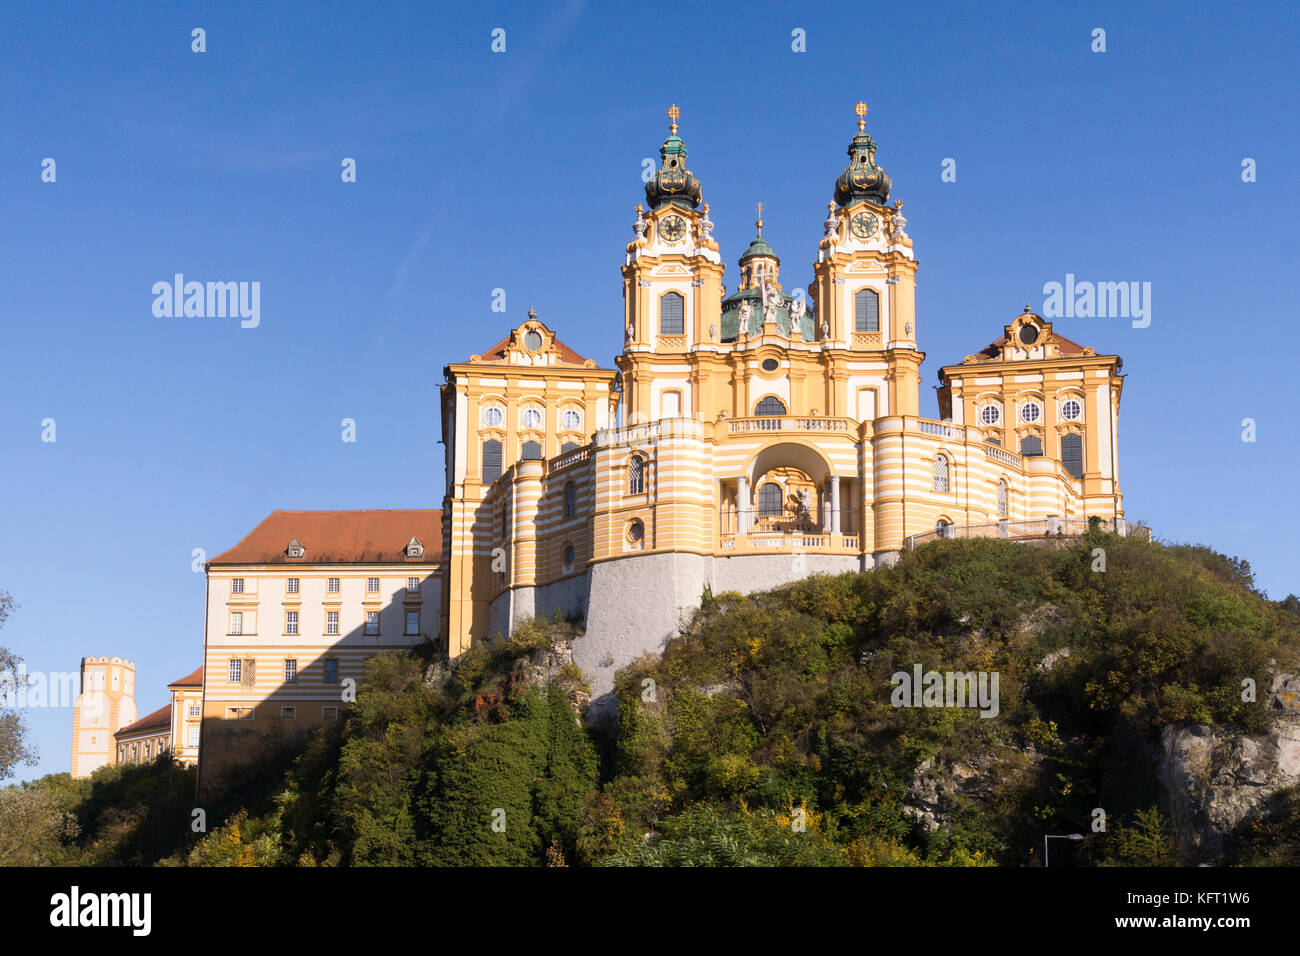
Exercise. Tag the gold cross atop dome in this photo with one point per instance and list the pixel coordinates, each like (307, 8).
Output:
(861, 110)
(759, 224)
(673, 113)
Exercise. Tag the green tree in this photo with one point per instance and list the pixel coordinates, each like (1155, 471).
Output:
(15, 746)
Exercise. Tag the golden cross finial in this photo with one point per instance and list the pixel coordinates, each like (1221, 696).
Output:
(861, 110)
(759, 224)
(673, 113)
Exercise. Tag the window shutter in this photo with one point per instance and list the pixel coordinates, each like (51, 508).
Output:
(867, 308)
(1072, 454)
(672, 314)
(491, 460)
(532, 450)
(1031, 446)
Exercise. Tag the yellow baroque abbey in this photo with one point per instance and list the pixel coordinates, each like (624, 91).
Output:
(751, 437)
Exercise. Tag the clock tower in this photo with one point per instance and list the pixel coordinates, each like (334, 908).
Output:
(672, 287)
(865, 285)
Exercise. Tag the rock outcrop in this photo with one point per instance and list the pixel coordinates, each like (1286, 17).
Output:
(1215, 779)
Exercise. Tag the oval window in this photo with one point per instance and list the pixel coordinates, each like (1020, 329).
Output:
(770, 365)
(533, 341)
(1071, 410)
(492, 417)
(532, 418)
(1029, 334)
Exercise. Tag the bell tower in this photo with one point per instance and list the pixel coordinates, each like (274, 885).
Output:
(672, 288)
(865, 278)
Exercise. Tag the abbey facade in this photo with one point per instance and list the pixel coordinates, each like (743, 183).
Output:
(749, 437)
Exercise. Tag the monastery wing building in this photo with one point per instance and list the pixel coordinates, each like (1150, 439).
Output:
(748, 437)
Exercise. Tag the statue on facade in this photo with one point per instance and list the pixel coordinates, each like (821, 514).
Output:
(797, 309)
(746, 310)
(706, 225)
(898, 222)
(832, 223)
(771, 300)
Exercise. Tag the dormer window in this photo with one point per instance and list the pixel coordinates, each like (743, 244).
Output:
(414, 549)
(532, 340)
(1028, 334)
(295, 549)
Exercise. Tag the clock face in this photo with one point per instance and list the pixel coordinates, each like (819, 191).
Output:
(864, 225)
(673, 228)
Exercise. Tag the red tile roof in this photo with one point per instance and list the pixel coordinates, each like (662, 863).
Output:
(497, 353)
(160, 719)
(339, 537)
(194, 679)
(994, 350)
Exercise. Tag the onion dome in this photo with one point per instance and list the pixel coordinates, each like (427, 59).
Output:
(862, 178)
(759, 249)
(673, 183)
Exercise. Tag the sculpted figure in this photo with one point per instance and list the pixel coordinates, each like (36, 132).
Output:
(746, 310)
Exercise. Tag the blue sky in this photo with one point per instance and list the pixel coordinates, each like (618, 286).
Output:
(519, 170)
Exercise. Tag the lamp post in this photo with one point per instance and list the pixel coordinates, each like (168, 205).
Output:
(1076, 837)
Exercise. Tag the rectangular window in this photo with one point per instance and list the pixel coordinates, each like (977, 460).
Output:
(292, 587)
(194, 710)
(412, 622)
(288, 713)
(329, 713)
(236, 622)
(866, 311)
(672, 314)
(236, 585)
(331, 622)
(239, 713)
(331, 670)
(235, 671)
(412, 585)
(372, 622)
(333, 586)
(191, 736)
(290, 671)
(491, 461)
(291, 622)
(372, 585)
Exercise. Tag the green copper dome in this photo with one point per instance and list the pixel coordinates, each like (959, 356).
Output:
(673, 183)
(759, 247)
(862, 178)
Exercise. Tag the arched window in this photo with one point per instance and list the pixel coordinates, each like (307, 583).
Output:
(568, 446)
(570, 500)
(672, 314)
(531, 451)
(1002, 497)
(940, 473)
(1031, 446)
(866, 311)
(769, 499)
(769, 406)
(1072, 454)
(636, 475)
(491, 460)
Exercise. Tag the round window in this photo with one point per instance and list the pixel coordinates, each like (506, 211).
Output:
(492, 417)
(1029, 334)
(1071, 410)
(568, 556)
(1031, 412)
(635, 532)
(990, 415)
(532, 418)
(571, 420)
(532, 341)
(770, 365)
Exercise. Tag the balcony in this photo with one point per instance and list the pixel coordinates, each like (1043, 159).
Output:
(762, 542)
(791, 423)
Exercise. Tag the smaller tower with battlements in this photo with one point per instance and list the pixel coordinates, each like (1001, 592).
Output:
(105, 705)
